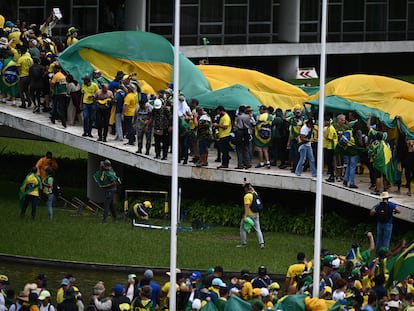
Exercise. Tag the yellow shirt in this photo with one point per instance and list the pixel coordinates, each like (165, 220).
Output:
(330, 137)
(225, 120)
(248, 199)
(71, 41)
(89, 92)
(24, 62)
(130, 101)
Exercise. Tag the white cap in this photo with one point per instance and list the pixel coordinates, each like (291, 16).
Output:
(157, 103)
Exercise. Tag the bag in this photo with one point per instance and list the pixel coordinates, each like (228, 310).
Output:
(257, 204)
(159, 132)
(384, 212)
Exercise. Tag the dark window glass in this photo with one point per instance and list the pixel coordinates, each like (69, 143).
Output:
(235, 40)
(397, 26)
(83, 2)
(236, 1)
(260, 10)
(396, 36)
(398, 9)
(166, 30)
(211, 10)
(259, 28)
(353, 26)
(334, 37)
(275, 19)
(189, 20)
(353, 10)
(309, 27)
(410, 15)
(235, 25)
(189, 1)
(346, 37)
(259, 39)
(376, 17)
(309, 10)
(161, 11)
(188, 40)
(210, 29)
(31, 15)
(87, 17)
(380, 36)
(309, 37)
(275, 39)
(334, 18)
(31, 3)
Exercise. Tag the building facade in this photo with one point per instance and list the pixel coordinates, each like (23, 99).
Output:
(274, 36)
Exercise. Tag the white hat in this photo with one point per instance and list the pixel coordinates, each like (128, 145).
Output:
(157, 103)
(265, 292)
(335, 263)
(385, 195)
(196, 304)
(393, 304)
(34, 41)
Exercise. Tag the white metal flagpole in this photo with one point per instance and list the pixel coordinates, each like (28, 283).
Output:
(318, 201)
(174, 165)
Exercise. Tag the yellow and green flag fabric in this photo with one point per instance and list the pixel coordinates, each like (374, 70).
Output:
(381, 154)
(151, 56)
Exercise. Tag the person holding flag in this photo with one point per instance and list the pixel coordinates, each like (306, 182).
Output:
(29, 192)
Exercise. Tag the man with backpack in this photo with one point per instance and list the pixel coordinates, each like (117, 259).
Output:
(252, 207)
(384, 212)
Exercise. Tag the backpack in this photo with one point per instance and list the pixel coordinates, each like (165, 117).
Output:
(257, 204)
(384, 212)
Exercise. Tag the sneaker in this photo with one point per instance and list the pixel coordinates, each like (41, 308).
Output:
(330, 179)
(262, 246)
(283, 166)
(353, 186)
(246, 166)
(267, 164)
(259, 165)
(241, 245)
(222, 166)
(345, 183)
(84, 134)
(90, 135)
(239, 167)
(409, 193)
(375, 193)
(218, 160)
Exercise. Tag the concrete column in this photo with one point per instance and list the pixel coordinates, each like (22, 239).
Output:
(135, 14)
(289, 31)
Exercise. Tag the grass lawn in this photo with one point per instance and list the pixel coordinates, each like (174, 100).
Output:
(82, 238)
(39, 148)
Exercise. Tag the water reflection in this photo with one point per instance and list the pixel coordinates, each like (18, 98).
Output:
(19, 274)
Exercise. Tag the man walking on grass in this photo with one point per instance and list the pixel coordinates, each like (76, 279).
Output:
(250, 214)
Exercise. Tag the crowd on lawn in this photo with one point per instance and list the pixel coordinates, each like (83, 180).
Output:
(31, 70)
(358, 281)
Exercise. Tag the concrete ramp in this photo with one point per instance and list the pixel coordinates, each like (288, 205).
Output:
(39, 125)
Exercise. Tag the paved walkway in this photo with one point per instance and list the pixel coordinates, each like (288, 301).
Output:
(39, 125)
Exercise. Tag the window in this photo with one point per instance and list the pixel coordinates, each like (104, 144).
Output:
(235, 25)
(397, 9)
(189, 20)
(211, 10)
(376, 17)
(353, 10)
(260, 10)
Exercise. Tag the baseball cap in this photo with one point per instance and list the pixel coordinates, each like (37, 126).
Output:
(196, 275)
(148, 274)
(44, 294)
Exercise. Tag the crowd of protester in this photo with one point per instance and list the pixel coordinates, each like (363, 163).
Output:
(359, 280)
(31, 71)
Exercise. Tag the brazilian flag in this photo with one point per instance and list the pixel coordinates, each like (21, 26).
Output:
(382, 156)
